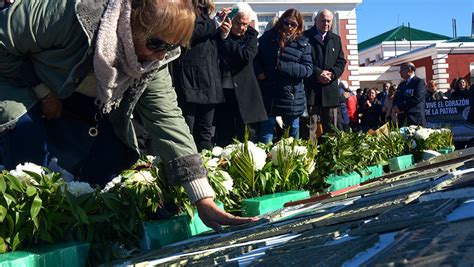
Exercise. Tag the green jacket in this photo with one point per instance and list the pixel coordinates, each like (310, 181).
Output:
(50, 44)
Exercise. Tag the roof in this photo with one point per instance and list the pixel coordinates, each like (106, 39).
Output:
(462, 39)
(401, 33)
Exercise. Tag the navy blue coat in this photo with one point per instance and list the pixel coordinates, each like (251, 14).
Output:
(410, 99)
(282, 90)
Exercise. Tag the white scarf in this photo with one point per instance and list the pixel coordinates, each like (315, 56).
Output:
(116, 65)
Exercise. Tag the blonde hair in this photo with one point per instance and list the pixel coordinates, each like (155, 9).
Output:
(203, 5)
(170, 19)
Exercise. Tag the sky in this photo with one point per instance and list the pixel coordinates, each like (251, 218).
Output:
(378, 16)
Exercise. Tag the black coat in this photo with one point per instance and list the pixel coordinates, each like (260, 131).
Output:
(237, 54)
(283, 90)
(410, 99)
(327, 55)
(196, 73)
(372, 117)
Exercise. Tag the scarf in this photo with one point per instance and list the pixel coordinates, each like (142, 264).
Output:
(116, 65)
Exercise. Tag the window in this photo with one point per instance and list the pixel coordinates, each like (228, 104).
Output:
(263, 20)
(335, 24)
(308, 21)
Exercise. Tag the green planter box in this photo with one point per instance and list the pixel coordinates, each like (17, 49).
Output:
(161, 233)
(18, 258)
(339, 182)
(165, 232)
(71, 254)
(401, 163)
(446, 150)
(372, 172)
(264, 204)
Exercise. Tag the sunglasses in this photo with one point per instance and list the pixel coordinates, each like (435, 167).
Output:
(288, 23)
(157, 45)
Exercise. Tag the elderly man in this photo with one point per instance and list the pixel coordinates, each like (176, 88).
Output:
(243, 100)
(328, 59)
(409, 103)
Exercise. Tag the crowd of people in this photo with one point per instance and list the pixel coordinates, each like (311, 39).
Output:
(370, 108)
(82, 83)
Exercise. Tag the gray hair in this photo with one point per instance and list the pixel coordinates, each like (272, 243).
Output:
(244, 8)
(323, 11)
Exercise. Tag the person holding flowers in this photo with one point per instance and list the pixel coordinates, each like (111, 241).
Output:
(70, 79)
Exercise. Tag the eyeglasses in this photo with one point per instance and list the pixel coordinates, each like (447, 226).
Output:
(291, 24)
(157, 45)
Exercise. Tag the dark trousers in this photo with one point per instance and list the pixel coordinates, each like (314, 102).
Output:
(92, 159)
(229, 123)
(329, 117)
(199, 118)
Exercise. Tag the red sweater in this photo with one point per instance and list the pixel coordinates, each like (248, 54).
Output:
(352, 108)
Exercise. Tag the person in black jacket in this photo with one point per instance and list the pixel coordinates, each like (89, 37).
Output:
(243, 100)
(197, 77)
(328, 59)
(409, 103)
(283, 61)
(371, 110)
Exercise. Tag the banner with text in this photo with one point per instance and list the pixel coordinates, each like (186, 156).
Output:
(452, 114)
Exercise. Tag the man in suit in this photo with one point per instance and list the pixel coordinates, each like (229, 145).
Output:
(409, 103)
(328, 59)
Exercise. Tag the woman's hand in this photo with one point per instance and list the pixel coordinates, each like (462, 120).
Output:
(261, 77)
(214, 217)
(51, 106)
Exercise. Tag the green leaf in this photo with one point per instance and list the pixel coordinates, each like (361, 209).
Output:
(3, 213)
(36, 206)
(14, 183)
(3, 184)
(16, 242)
(9, 199)
(77, 211)
(30, 190)
(44, 235)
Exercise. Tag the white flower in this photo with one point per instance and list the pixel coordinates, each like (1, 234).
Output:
(259, 157)
(142, 177)
(287, 141)
(275, 150)
(423, 133)
(311, 166)
(217, 151)
(212, 163)
(116, 181)
(22, 176)
(287, 151)
(228, 182)
(155, 160)
(300, 151)
(78, 189)
(228, 151)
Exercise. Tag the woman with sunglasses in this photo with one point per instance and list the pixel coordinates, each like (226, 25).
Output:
(197, 77)
(283, 61)
(70, 79)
